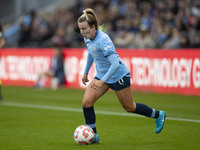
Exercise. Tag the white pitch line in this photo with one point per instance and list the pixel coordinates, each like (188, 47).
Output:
(13, 104)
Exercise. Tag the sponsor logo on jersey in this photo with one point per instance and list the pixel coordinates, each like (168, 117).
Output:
(107, 47)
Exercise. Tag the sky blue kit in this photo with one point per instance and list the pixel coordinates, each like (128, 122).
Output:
(109, 66)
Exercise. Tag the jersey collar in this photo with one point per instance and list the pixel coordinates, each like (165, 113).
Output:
(97, 32)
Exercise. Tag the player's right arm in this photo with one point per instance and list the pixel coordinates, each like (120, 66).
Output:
(87, 68)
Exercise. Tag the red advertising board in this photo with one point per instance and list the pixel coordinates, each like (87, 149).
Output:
(163, 71)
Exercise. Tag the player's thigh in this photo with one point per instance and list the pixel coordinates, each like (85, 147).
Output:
(125, 97)
(91, 95)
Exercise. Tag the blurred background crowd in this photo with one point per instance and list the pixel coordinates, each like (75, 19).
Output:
(163, 24)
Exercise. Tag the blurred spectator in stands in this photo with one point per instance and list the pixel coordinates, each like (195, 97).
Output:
(101, 12)
(156, 28)
(79, 7)
(56, 72)
(60, 37)
(146, 14)
(184, 41)
(165, 33)
(46, 33)
(72, 36)
(124, 39)
(143, 38)
(26, 28)
(108, 28)
(174, 41)
(2, 38)
(41, 33)
(172, 6)
(196, 43)
(196, 8)
(113, 16)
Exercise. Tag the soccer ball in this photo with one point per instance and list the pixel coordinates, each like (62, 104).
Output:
(83, 135)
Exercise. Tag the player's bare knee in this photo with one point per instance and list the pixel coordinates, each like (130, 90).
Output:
(130, 109)
(86, 103)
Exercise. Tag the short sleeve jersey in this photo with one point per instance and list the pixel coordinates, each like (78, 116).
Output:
(101, 47)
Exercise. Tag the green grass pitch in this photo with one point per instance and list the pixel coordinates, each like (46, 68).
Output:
(46, 119)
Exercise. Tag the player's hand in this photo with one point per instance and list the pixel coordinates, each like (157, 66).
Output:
(85, 79)
(97, 84)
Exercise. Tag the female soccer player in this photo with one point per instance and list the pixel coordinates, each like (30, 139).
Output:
(111, 73)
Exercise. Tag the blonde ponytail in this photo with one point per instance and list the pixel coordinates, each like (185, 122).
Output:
(89, 16)
(85, 14)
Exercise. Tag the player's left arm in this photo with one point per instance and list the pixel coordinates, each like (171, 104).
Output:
(109, 52)
(113, 68)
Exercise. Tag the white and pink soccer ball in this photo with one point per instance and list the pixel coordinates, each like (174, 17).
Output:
(83, 135)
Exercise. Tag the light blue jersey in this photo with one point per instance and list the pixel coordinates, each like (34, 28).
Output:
(99, 49)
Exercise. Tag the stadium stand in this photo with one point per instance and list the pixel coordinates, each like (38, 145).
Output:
(164, 24)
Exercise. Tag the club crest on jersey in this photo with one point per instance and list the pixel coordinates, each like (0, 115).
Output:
(94, 48)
